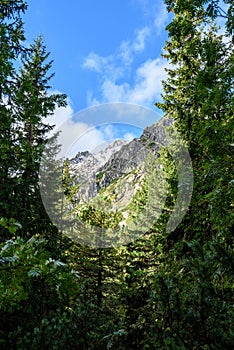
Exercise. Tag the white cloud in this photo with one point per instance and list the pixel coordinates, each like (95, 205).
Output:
(73, 136)
(155, 11)
(91, 100)
(125, 53)
(129, 136)
(114, 66)
(60, 115)
(148, 84)
(160, 21)
(109, 132)
(113, 92)
(111, 65)
(121, 78)
(139, 43)
(95, 62)
(92, 127)
(78, 136)
(144, 90)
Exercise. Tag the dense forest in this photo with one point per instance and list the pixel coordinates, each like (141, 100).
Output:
(165, 290)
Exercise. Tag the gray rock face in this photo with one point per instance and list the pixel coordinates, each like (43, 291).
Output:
(123, 182)
(104, 153)
(115, 161)
(85, 165)
(154, 136)
(132, 155)
(128, 158)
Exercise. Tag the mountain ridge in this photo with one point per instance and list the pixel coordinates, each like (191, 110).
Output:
(117, 172)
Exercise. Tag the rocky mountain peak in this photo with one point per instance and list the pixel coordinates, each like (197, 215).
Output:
(80, 157)
(133, 154)
(114, 160)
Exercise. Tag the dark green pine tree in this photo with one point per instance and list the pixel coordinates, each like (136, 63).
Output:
(35, 296)
(33, 102)
(192, 296)
(198, 94)
(11, 39)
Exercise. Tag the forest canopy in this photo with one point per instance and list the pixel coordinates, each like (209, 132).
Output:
(167, 290)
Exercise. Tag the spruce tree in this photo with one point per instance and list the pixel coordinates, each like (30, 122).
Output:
(33, 102)
(192, 293)
(11, 43)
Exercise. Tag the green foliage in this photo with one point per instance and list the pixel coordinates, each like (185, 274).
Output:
(97, 213)
(32, 284)
(99, 176)
(192, 296)
(10, 224)
(23, 109)
(32, 103)
(11, 39)
(68, 183)
(164, 291)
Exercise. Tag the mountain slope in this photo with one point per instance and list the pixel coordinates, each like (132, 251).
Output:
(116, 179)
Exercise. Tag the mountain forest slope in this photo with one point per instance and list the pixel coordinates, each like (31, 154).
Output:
(162, 288)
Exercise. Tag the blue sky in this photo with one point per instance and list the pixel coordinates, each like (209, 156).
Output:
(100, 44)
(104, 51)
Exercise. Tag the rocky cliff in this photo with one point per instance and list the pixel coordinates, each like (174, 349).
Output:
(114, 175)
(133, 154)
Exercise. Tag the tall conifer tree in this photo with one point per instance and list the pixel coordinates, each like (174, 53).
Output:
(11, 39)
(193, 294)
(33, 103)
